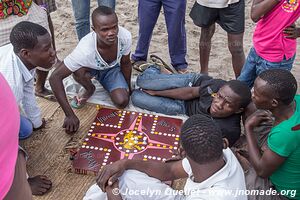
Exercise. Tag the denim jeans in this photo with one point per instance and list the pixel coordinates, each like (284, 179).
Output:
(81, 10)
(26, 128)
(174, 13)
(255, 64)
(152, 79)
(111, 78)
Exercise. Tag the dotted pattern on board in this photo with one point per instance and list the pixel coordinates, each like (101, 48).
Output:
(118, 134)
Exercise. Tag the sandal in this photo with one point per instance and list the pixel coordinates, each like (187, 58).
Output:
(50, 96)
(160, 62)
(77, 102)
(141, 65)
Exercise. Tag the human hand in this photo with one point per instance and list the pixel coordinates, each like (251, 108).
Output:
(150, 92)
(113, 190)
(41, 126)
(291, 32)
(71, 124)
(258, 117)
(109, 174)
(179, 156)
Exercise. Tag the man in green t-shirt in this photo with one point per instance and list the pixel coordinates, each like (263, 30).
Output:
(275, 91)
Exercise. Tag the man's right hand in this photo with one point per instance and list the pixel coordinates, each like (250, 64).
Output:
(109, 174)
(71, 124)
(150, 92)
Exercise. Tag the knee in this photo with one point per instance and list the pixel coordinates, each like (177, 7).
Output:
(26, 128)
(121, 102)
(236, 48)
(135, 97)
(81, 74)
(207, 33)
(139, 80)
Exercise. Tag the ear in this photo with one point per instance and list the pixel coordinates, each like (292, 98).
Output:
(240, 110)
(274, 103)
(225, 143)
(25, 54)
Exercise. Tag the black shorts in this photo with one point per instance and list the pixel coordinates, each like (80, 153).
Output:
(231, 18)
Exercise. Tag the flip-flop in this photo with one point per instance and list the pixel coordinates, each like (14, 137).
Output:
(141, 65)
(78, 103)
(160, 62)
(49, 97)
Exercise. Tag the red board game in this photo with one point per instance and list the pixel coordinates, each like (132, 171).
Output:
(117, 134)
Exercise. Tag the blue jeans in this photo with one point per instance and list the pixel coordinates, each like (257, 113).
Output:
(26, 128)
(152, 79)
(111, 78)
(255, 64)
(81, 10)
(174, 10)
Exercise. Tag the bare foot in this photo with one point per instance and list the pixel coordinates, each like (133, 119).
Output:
(45, 93)
(182, 71)
(39, 184)
(163, 70)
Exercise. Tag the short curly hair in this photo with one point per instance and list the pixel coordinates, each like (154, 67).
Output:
(282, 84)
(24, 35)
(241, 89)
(201, 139)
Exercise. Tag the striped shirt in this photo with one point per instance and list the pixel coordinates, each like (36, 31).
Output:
(21, 81)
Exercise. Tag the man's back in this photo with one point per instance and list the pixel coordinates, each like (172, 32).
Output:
(226, 184)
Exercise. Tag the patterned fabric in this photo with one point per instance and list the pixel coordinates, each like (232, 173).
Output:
(35, 14)
(14, 7)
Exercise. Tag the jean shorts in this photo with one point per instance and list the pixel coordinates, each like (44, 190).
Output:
(111, 78)
(255, 64)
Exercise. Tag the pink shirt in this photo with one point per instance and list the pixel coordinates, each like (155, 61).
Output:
(269, 41)
(9, 136)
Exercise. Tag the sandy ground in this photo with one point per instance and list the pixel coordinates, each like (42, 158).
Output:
(47, 147)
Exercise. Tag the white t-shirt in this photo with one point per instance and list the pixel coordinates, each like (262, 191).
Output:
(21, 82)
(226, 184)
(86, 54)
(216, 3)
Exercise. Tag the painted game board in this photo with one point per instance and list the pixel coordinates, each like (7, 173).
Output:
(117, 134)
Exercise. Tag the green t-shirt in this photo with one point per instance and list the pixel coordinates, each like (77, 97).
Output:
(286, 143)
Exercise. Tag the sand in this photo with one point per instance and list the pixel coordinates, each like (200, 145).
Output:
(47, 147)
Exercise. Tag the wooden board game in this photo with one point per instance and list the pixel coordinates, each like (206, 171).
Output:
(117, 134)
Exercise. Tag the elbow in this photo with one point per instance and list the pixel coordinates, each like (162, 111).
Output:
(254, 17)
